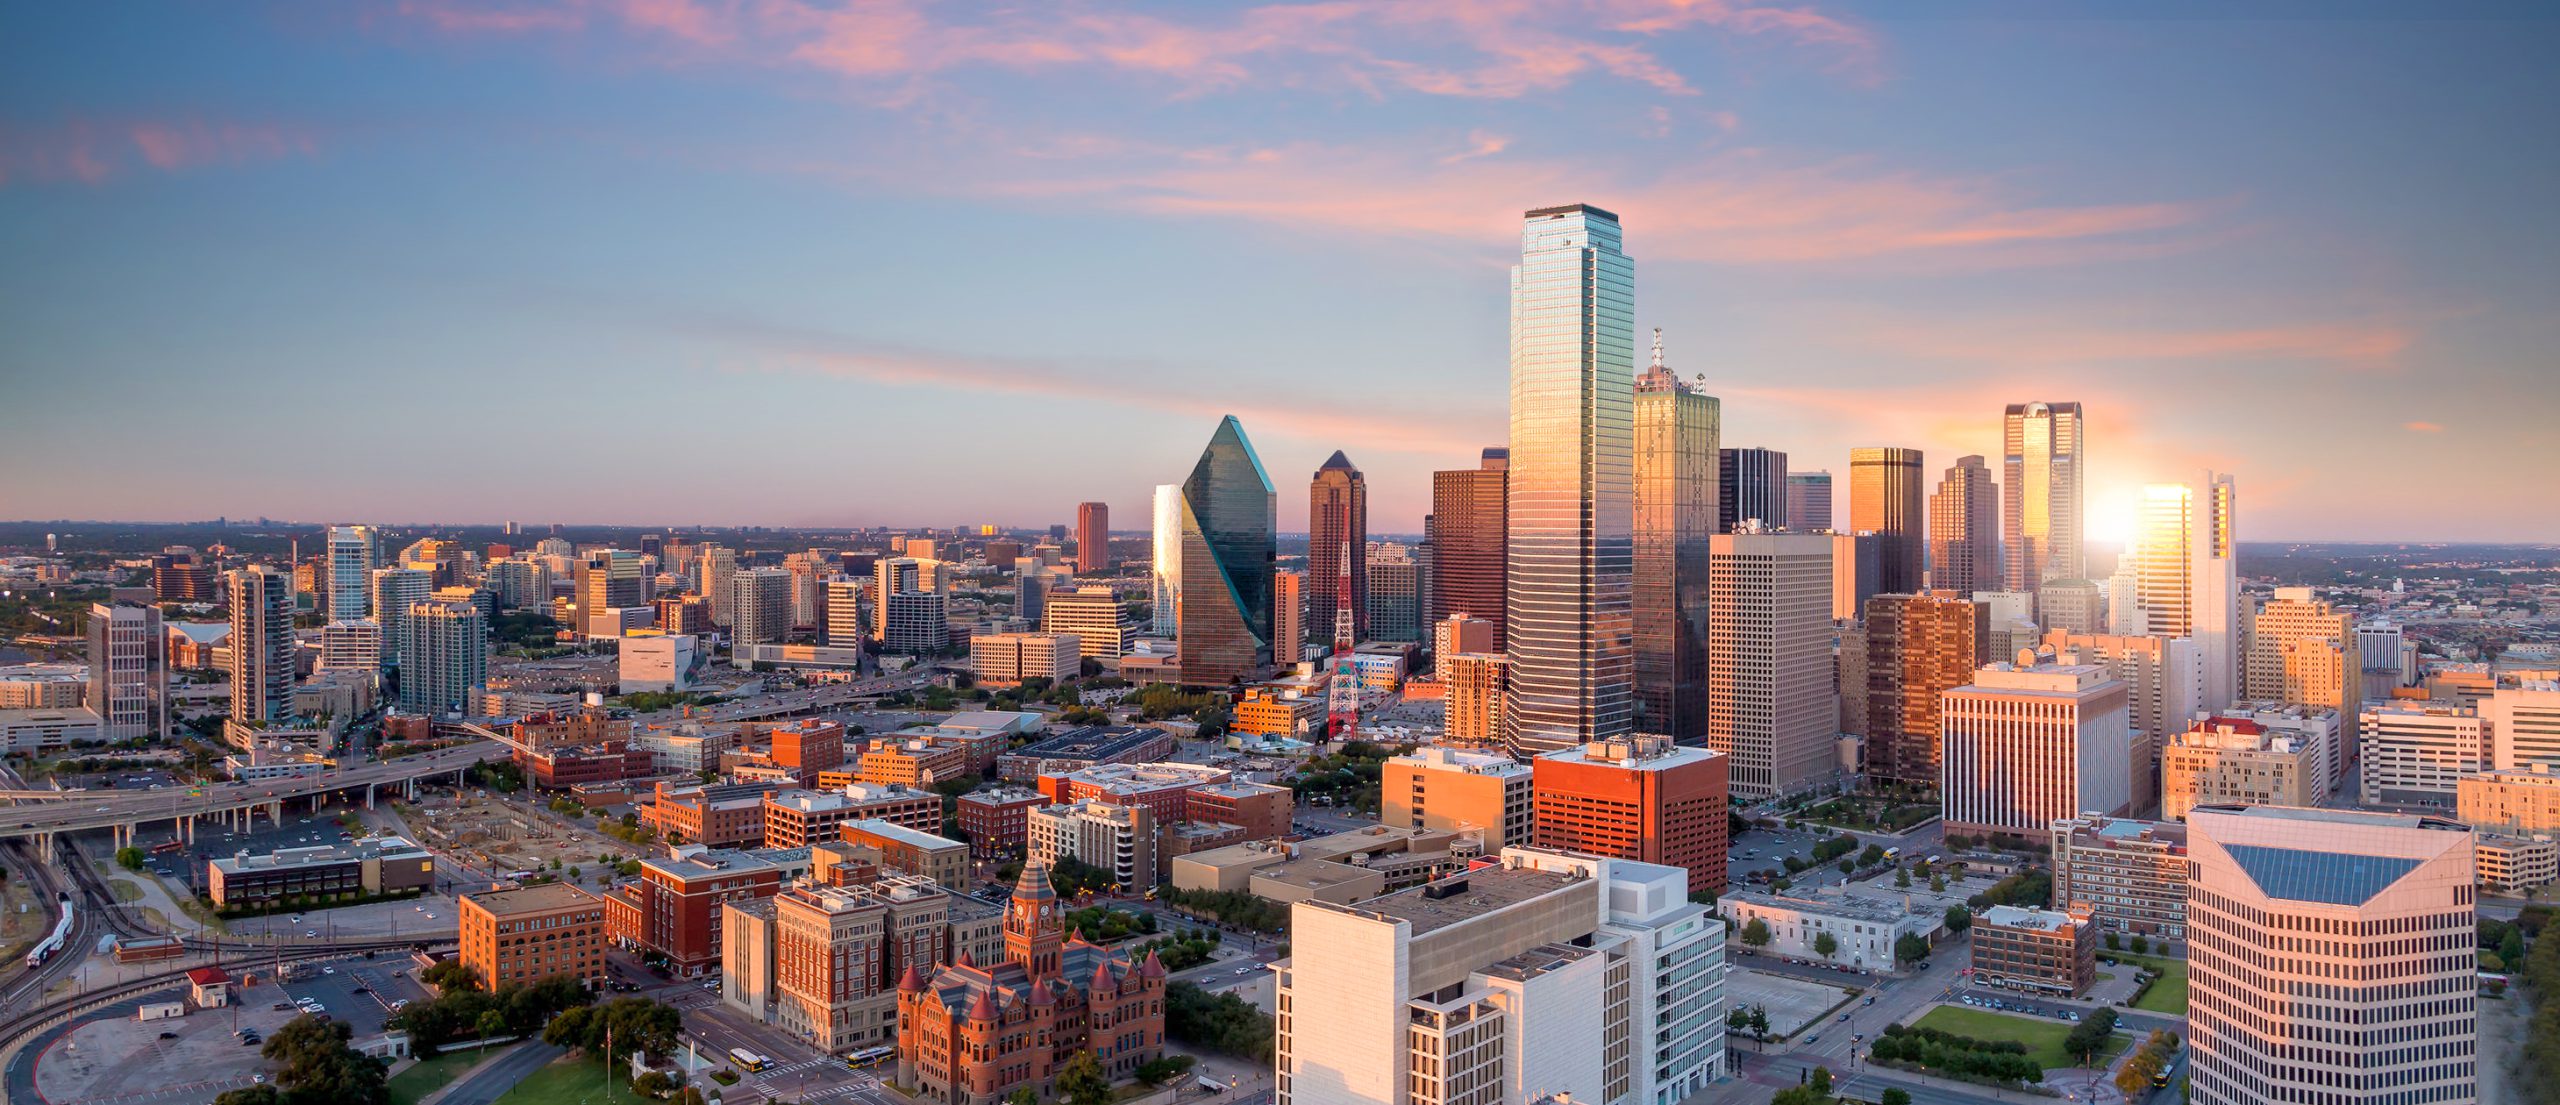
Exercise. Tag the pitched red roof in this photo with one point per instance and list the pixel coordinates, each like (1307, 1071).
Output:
(207, 976)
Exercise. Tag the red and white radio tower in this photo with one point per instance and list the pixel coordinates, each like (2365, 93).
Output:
(1342, 695)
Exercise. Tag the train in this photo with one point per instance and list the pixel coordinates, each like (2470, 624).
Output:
(61, 932)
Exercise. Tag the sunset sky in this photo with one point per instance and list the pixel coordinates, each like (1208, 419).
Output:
(837, 262)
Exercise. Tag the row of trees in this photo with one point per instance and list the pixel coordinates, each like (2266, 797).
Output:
(1223, 1023)
(2540, 974)
(319, 1067)
(2136, 1075)
(1996, 1061)
(465, 1011)
(1234, 907)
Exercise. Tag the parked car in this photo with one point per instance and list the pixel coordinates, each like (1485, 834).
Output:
(168, 1035)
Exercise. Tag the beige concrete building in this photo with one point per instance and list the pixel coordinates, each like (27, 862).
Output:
(2523, 723)
(1092, 615)
(1771, 702)
(2302, 650)
(2163, 676)
(2131, 875)
(746, 957)
(2520, 800)
(2330, 958)
(2229, 761)
(1550, 973)
(1119, 839)
(1343, 867)
(939, 858)
(1438, 787)
(2511, 864)
(2025, 747)
(2416, 753)
(1474, 700)
(1457, 634)
(1006, 659)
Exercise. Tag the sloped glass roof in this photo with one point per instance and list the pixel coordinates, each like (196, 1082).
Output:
(2325, 877)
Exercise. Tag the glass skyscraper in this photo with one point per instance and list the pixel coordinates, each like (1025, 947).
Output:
(1568, 599)
(2040, 504)
(1166, 570)
(1676, 430)
(1230, 514)
(351, 564)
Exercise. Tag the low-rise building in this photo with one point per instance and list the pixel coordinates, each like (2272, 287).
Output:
(2416, 753)
(1458, 790)
(1118, 839)
(48, 730)
(565, 766)
(1341, 868)
(1863, 931)
(2512, 864)
(1259, 810)
(1273, 713)
(996, 820)
(524, 935)
(676, 902)
(799, 818)
(2234, 761)
(719, 815)
(2130, 874)
(1007, 659)
(660, 664)
(2523, 800)
(939, 858)
(319, 874)
(1085, 747)
(2036, 949)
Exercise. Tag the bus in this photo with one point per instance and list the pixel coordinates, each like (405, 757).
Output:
(870, 1055)
(747, 1059)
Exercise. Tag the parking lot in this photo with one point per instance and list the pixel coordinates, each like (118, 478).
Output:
(196, 1057)
(1768, 849)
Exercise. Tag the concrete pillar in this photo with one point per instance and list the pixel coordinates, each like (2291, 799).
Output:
(368, 796)
(44, 847)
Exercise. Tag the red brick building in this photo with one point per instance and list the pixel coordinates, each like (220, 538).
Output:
(798, 819)
(971, 1034)
(677, 902)
(591, 725)
(719, 815)
(1640, 798)
(1263, 811)
(807, 747)
(998, 821)
(559, 767)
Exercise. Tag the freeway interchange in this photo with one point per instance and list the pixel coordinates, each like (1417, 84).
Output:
(124, 811)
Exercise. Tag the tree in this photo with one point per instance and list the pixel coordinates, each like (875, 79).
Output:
(1820, 1083)
(1937, 884)
(1910, 947)
(1824, 944)
(653, 1083)
(129, 858)
(1902, 878)
(1024, 1096)
(2090, 1034)
(1895, 1096)
(1760, 1021)
(2511, 948)
(1756, 933)
(2141, 944)
(450, 974)
(1737, 1019)
(1959, 918)
(1081, 1081)
(2114, 942)
(1848, 866)
(319, 1066)
(1157, 1072)
(253, 1095)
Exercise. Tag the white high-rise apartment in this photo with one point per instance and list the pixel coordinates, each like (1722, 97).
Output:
(2524, 723)
(1771, 705)
(1551, 974)
(262, 672)
(842, 626)
(128, 673)
(1166, 571)
(717, 563)
(445, 658)
(2416, 753)
(1568, 604)
(2186, 576)
(395, 590)
(2302, 650)
(521, 582)
(759, 610)
(2022, 748)
(353, 644)
(2331, 958)
(353, 552)
(2040, 501)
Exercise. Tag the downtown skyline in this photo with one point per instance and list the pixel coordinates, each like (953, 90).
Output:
(668, 213)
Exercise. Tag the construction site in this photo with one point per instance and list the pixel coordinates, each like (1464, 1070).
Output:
(483, 835)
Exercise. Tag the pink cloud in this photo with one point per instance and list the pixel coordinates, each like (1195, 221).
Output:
(2043, 343)
(2423, 427)
(95, 152)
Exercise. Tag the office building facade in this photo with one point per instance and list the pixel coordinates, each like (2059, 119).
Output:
(1886, 491)
(1753, 483)
(445, 658)
(1229, 517)
(352, 558)
(2040, 505)
(1677, 429)
(1964, 535)
(1809, 501)
(1918, 647)
(1469, 540)
(2186, 579)
(128, 670)
(2023, 748)
(262, 649)
(1771, 702)
(1093, 538)
(1337, 534)
(1636, 797)
(2130, 874)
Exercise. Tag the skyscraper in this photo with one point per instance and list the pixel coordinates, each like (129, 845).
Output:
(843, 626)
(2186, 578)
(759, 610)
(261, 644)
(1753, 483)
(1676, 430)
(2360, 928)
(1468, 539)
(612, 579)
(2302, 650)
(1288, 617)
(128, 672)
(1093, 537)
(1885, 488)
(1337, 519)
(351, 561)
(1770, 701)
(2040, 512)
(395, 590)
(1964, 549)
(1918, 648)
(446, 656)
(1569, 623)
(1394, 600)
(1165, 567)
(716, 565)
(1809, 501)
(2023, 747)
(1229, 518)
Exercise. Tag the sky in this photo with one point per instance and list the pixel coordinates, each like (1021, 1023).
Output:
(866, 262)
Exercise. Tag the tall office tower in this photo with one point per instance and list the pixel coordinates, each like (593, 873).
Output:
(351, 563)
(1918, 647)
(1455, 634)
(1394, 601)
(2040, 523)
(1093, 537)
(1770, 699)
(447, 655)
(2165, 674)
(1229, 517)
(1544, 976)
(2523, 722)
(1753, 483)
(842, 623)
(1885, 489)
(808, 591)
(1165, 566)
(914, 622)
(1032, 583)
(2185, 576)
(1636, 797)
(899, 574)
(1676, 431)
(128, 670)
(1337, 518)
(759, 610)
(1809, 501)
(2071, 605)
(2022, 748)
(2301, 650)
(261, 644)
(521, 584)
(1964, 543)
(2379, 652)
(395, 590)
(1288, 617)
(1567, 609)
(610, 580)
(652, 544)
(1091, 614)
(1468, 540)
(181, 574)
(2300, 921)
(716, 563)
(1854, 569)
(353, 644)
(1475, 680)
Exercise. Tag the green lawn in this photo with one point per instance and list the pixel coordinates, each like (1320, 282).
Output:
(2169, 995)
(571, 1082)
(2042, 1037)
(430, 1075)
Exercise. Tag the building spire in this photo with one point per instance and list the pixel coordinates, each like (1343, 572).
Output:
(1657, 349)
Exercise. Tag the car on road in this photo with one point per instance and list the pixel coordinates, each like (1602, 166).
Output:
(168, 1035)
(1844, 1018)
(328, 970)
(312, 934)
